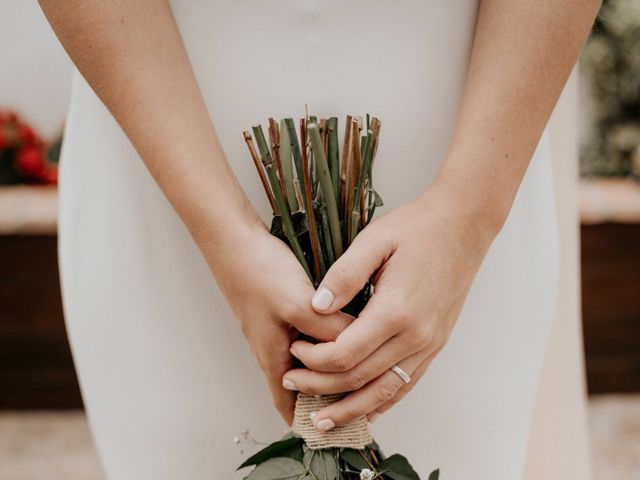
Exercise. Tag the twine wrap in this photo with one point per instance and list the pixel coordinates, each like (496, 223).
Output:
(353, 435)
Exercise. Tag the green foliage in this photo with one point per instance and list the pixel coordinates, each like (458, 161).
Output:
(289, 447)
(610, 75)
(280, 468)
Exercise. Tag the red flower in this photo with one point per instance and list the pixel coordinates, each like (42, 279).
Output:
(49, 174)
(26, 134)
(30, 162)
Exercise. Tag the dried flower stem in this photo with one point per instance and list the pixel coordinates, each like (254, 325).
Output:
(287, 167)
(263, 178)
(322, 170)
(311, 221)
(344, 166)
(354, 173)
(274, 141)
(287, 224)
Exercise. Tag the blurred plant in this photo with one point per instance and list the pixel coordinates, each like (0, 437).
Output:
(610, 67)
(24, 156)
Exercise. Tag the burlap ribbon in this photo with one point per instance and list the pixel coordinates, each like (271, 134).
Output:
(353, 435)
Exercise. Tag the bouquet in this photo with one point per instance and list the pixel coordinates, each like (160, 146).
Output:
(320, 201)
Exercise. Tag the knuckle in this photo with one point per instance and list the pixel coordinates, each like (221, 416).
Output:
(307, 387)
(345, 274)
(355, 380)
(385, 392)
(350, 413)
(342, 361)
(424, 335)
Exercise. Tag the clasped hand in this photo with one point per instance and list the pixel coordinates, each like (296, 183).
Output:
(421, 258)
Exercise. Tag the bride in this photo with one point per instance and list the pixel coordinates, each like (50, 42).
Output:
(166, 262)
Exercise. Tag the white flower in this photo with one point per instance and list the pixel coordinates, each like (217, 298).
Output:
(366, 474)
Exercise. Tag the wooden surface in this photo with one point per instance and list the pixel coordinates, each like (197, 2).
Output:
(36, 369)
(611, 306)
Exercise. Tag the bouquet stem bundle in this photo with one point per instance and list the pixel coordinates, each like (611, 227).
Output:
(320, 200)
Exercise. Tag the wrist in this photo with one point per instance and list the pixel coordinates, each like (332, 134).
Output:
(485, 216)
(219, 233)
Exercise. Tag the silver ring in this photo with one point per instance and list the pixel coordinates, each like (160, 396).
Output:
(401, 373)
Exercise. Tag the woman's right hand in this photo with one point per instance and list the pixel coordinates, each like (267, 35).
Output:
(269, 292)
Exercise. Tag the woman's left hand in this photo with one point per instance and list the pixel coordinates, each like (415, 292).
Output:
(423, 257)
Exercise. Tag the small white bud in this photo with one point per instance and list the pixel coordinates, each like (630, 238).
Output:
(366, 474)
(236, 440)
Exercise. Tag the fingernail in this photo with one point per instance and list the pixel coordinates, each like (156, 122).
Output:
(288, 384)
(322, 299)
(312, 415)
(294, 353)
(325, 424)
(373, 417)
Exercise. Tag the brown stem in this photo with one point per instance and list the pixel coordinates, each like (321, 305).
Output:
(263, 176)
(353, 173)
(274, 142)
(344, 166)
(313, 231)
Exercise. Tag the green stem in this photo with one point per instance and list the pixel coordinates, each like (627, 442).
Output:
(295, 148)
(327, 188)
(326, 233)
(287, 224)
(355, 212)
(287, 168)
(334, 155)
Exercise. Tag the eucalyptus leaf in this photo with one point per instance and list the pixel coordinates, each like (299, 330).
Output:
(290, 447)
(355, 458)
(279, 468)
(322, 463)
(397, 467)
(435, 475)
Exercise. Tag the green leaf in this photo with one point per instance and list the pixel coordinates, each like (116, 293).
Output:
(435, 475)
(322, 462)
(377, 199)
(280, 468)
(290, 447)
(355, 458)
(397, 467)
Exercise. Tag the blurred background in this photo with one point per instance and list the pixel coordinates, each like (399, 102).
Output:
(43, 430)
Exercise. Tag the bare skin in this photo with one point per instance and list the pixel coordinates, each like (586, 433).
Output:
(132, 55)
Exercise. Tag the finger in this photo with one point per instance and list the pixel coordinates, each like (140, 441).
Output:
(274, 360)
(356, 342)
(365, 400)
(283, 400)
(406, 388)
(324, 383)
(321, 327)
(350, 272)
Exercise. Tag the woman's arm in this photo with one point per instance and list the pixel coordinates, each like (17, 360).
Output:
(522, 54)
(132, 55)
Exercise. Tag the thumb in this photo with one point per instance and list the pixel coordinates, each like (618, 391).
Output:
(350, 272)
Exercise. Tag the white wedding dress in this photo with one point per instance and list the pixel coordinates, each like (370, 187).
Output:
(165, 372)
